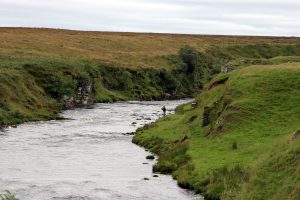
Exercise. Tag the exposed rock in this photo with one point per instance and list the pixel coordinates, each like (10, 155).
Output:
(296, 134)
(146, 179)
(226, 69)
(155, 175)
(129, 133)
(242, 61)
(167, 96)
(194, 105)
(69, 101)
(82, 97)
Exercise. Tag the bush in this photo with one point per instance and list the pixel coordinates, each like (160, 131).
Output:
(234, 145)
(190, 56)
(54, 80)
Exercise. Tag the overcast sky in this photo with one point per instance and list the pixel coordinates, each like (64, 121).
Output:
(236, 17)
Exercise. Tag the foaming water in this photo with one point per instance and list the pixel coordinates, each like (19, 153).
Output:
(85, 158)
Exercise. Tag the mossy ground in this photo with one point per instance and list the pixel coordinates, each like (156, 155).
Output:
(247, 150)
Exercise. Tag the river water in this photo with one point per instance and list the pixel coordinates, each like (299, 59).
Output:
(87, 157)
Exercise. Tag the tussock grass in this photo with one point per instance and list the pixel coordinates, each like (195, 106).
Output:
(8, 196)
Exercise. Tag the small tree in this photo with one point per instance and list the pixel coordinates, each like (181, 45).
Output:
(190, 56)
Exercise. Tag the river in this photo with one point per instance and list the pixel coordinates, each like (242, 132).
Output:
(87, 157)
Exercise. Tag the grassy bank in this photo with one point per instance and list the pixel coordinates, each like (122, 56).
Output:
(39, 89)
(241, 142)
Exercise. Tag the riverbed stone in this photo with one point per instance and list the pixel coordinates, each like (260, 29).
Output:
(129, 133)
(150, 157)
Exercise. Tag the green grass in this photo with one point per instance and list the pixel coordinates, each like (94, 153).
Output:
(8, 196)
(247, 150)
(22, 99)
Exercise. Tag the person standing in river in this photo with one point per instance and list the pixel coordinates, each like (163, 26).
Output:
(164, 110)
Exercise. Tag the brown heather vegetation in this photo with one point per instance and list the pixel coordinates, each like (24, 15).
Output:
(122, 49)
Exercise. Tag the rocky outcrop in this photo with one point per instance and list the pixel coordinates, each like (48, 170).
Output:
(81, 98)
(226, 69)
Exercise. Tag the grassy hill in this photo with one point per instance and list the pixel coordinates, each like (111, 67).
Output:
(241, 142)
(134, 50)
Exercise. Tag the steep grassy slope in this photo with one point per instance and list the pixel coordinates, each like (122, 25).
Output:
(38, 91)
(241, 141)
(22, 99)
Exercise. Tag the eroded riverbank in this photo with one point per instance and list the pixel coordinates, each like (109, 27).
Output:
(88, 157)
